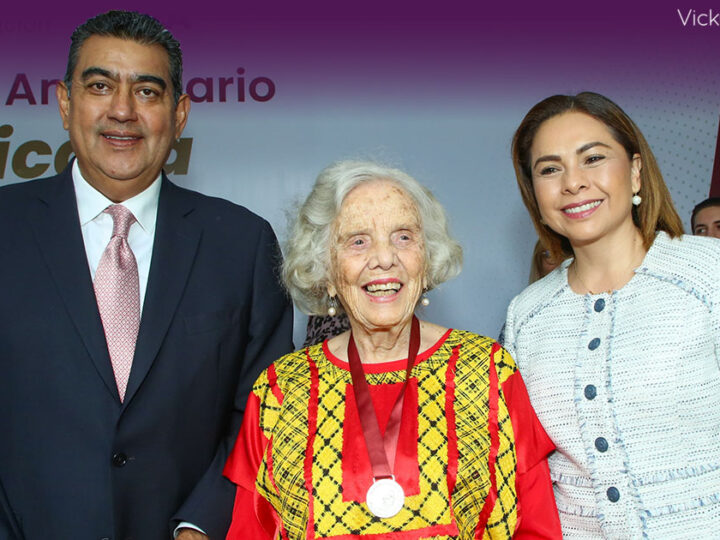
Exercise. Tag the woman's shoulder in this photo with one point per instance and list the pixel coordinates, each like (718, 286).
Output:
(471, 338)
(684, 249)
(463, 342)
(288, 367)
(538, 294)
(479, 345)
(477, 353)
(689, 262)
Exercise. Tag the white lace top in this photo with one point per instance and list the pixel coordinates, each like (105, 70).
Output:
(627, 385)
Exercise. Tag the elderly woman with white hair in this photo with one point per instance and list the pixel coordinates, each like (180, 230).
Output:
(397, 428)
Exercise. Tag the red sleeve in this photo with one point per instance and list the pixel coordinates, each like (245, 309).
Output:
(247, 454)
(246, 522)
(532, 443)
(537, 512)
(253, 516)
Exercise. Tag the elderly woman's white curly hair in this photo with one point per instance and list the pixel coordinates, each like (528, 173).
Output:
(306, 269)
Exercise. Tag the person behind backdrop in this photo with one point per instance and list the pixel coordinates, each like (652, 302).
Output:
(542, 263)
(705, 219)
(620, 348)
(397, 426)
(135, 314)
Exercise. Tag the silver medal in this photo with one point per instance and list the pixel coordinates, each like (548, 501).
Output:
(385, 498)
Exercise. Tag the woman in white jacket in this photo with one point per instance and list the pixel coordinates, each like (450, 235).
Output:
(619, 347)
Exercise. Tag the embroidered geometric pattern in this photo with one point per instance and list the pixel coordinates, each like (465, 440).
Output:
(287, 443)
(505, 510)
(117, 290)
(302, 473)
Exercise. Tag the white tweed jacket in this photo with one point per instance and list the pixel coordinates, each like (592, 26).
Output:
(627, 385)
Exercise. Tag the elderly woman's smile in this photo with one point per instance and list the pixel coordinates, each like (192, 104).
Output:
(378, 255)
(383, 287)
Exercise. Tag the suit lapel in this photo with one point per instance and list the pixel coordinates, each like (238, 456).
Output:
(174, 248)
(57, 231)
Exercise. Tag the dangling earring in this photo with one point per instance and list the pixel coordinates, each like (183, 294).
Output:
(332, 306)
(637, 199)
(425, 301)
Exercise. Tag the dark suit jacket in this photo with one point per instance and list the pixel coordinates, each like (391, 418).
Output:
(75, 463)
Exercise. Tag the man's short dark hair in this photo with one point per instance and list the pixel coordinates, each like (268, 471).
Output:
(133, 26)
(707, 203)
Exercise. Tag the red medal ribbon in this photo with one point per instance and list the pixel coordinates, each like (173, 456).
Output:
(381, 450)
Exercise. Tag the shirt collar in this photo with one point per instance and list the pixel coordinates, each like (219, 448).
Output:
(91, 202)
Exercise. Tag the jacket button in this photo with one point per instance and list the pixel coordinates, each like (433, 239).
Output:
(590, 391)
(601, 444)
(594, 344)
(119, 459)
(599, 305)
(613, 494)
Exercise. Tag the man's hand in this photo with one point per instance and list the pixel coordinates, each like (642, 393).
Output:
(191, 534)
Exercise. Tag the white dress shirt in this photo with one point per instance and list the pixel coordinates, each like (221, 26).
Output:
(97, 225)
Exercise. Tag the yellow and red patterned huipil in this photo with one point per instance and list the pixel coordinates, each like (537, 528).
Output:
(471, 456)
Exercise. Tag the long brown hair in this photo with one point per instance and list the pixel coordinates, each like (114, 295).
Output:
(655, 213)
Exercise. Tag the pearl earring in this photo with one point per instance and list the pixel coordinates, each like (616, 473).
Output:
(636, 200)
(332, 309)
(425, 301)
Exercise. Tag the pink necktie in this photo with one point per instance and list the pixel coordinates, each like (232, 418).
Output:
(117, 289)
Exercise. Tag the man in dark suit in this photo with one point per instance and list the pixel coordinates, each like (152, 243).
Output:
(135, 314)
